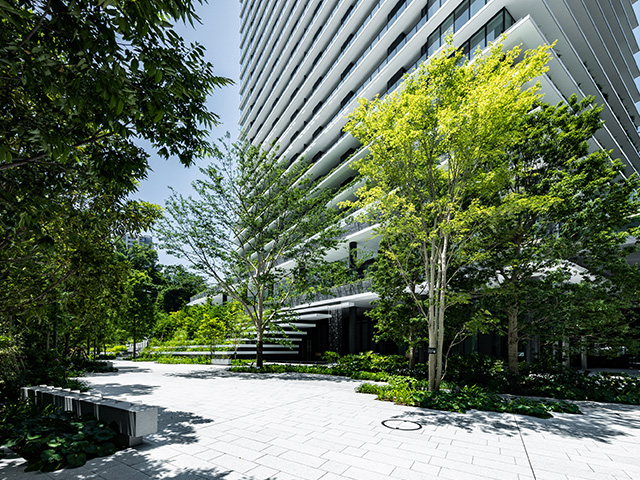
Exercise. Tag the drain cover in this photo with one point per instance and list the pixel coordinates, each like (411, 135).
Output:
(398, 424)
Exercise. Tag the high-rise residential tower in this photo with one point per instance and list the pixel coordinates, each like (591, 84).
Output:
(305, 62)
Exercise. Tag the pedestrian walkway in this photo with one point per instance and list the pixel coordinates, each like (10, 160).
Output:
(223, 426)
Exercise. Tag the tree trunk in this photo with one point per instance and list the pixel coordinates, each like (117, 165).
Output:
(259, 345)
(512, 339)
(566, 352)
(134, 340)
(433, 384)
(412, 348)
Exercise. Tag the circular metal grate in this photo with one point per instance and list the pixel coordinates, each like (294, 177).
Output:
(399, 424)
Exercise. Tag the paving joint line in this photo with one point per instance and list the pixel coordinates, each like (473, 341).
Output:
(260, 412)
(524, 446)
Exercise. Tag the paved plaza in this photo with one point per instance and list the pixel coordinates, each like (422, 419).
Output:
(224, 426)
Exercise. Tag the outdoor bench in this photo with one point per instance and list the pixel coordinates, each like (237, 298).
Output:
(130, 420)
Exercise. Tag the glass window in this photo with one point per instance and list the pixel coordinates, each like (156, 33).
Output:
(433, 43)
(461, 15)
(495, 27)
(508, 20)
(447, 27)
(432, 7)
(477, 41)
(475, 6)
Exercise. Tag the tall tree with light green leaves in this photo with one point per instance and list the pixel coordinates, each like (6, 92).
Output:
(258, 228)
(436, 149)
(562, 214)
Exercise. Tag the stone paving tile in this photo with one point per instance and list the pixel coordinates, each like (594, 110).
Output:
(303, 458)
(233, 463)
(236, 450)
(290, 467)
(433, 470)
(333, 467)
(218, 425)
(359, 463)
(364, 474)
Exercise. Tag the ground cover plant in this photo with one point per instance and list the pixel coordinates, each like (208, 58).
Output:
(365, 366)
(473, 382)
(404, 391)
(51, 439)
(204, 359)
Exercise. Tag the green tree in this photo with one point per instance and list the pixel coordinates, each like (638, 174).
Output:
(435, 148)
(396, 315)
(251, 216)
(181, 285)
(561, 206)
(213, 330)
(139, 313)
(81, 81)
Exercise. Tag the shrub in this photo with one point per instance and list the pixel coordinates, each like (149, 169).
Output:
(116, 349)
(204, 359)
(479, 399)
(80, 366)
(40, 367)
(478, 369)
(106, 356)
(353, 364)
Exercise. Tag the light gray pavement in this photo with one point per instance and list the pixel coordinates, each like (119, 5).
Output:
(218, 425)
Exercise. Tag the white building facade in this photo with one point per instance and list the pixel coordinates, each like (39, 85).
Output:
(305, 62)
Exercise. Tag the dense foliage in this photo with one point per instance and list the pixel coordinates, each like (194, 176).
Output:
(84, 84)
(83, 81)
(544, 379)
(434, 163)
(253, 213)
(50, 439)
(52, 349)
(559, 237)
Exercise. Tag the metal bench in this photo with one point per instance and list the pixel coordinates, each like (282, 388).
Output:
(130, 420)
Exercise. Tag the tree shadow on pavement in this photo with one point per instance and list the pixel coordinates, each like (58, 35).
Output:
(176, 427)
(600, 422)
(305, 377)
(486, 422)
(138, 464)
(110, 390)
(129, 369)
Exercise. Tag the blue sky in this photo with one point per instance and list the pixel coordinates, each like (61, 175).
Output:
(220, 34)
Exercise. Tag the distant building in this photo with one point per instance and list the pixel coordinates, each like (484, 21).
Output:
(304, 63)
(129, 240)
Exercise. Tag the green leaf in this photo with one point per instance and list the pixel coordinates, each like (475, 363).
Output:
(76, 459)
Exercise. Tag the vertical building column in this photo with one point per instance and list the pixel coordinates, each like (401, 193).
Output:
(353, 331)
